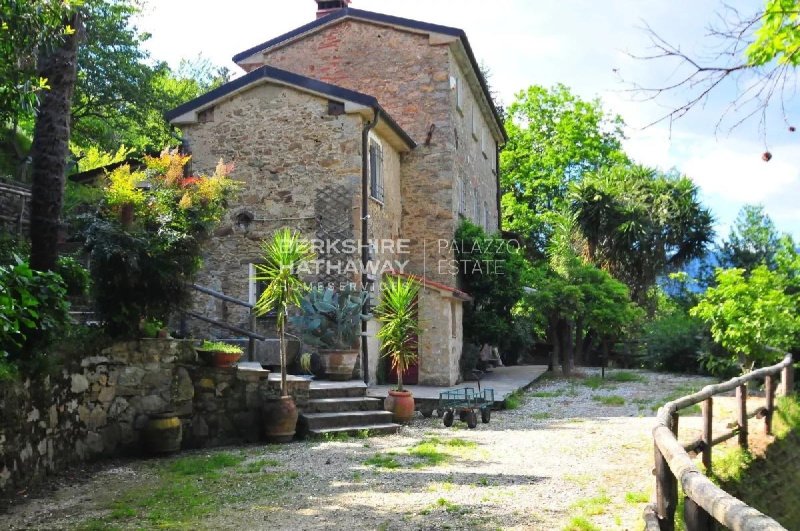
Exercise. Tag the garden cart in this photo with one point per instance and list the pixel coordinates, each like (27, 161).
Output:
(466, 401)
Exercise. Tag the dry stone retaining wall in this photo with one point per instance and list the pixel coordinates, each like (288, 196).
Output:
(101, 407)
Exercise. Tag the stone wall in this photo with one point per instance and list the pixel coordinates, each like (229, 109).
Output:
(300, 167)
(100, 407)
(410, 78)
(14, 208)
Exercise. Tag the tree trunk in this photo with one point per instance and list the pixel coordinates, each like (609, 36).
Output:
(51, 146)
(567, 347)
(555, 353)
(580, 335)
(284, 392)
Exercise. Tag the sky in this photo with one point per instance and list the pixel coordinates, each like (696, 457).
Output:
(584, 44)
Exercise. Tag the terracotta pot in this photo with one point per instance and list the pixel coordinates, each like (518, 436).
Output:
(279, 416)
(338, 364)
(163, 434)
(401, 404)
(225, 359)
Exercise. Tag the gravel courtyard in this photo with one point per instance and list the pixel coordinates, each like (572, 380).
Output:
(574, 454)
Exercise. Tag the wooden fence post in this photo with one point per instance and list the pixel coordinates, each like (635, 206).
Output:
(708, 417)
(695, 517)
(787, 377)
(666, 492)
(741, 400)
(769, 388)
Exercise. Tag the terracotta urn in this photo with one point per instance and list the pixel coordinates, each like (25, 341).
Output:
(401, 404)
(338, 364)
(279, 418)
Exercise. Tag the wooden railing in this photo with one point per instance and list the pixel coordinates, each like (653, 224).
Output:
(704, 501)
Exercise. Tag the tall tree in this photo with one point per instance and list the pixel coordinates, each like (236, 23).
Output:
(554, 139)
(639, 223)
(51, 144)
(753, 240)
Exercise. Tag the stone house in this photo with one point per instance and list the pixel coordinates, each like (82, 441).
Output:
(356, 112)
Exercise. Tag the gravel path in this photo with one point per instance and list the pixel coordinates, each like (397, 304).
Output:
(568, 454)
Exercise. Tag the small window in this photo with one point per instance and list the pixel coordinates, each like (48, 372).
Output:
(483, 143)
(375, 171)
(493, 158)
(475, 121)
(455, 134)
(459, 93)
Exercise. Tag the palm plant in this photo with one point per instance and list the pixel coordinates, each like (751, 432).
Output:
(283, 256)
(397, 313)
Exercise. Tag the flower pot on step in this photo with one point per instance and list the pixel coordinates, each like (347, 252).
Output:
(279, 418)
(401, 404)
(338, 364)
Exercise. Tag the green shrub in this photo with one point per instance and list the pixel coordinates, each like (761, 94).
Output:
(219, 346)
(75, 276)
(33, 312)
(672, 343)
(145, 243)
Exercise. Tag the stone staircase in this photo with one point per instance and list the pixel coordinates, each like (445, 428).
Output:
(343, 408)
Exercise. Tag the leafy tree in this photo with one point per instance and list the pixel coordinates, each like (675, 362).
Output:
(638, 223)
(747, 314)
(51, 143)
(753, 240)
(554, 139)
(26, 29)
(491, 270)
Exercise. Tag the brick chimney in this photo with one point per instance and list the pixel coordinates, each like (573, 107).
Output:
(326, 7)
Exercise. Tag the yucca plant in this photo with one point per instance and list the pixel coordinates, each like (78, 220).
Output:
(283, 255)
(397, 313)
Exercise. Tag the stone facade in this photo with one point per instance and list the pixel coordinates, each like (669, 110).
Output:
(301, 166)
(101, 407)
(416, 78)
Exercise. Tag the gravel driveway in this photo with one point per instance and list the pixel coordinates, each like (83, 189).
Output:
(575, 454)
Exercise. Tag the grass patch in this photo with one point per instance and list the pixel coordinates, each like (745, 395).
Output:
(540, 415)
(204, 466)
(635, 498)
(428, 454)
(581, 480)
(188, 489)
(445, 505)
(545, 394)
(580, 523)
(624, 377)
(514, 400)
(609, 400)
(254, 467)
(596, 382)
(593, 506)
(768, 482)
(383, 461)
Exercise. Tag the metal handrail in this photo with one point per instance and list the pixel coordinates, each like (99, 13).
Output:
(252, 334)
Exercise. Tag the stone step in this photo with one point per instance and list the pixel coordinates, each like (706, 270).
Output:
(373, 429)
(324, 421)
(341, 404)
(336, 390)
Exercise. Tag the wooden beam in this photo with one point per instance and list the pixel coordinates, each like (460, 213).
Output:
(666, 492)
(741, 400)
(708, 438)
(695, 518)
(769, 387)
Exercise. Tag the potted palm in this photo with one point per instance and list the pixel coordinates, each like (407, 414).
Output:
(283, 289)
(331, 321)
(397, 314)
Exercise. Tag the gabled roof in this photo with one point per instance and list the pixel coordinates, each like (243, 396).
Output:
(282, 77)
(381, 18)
